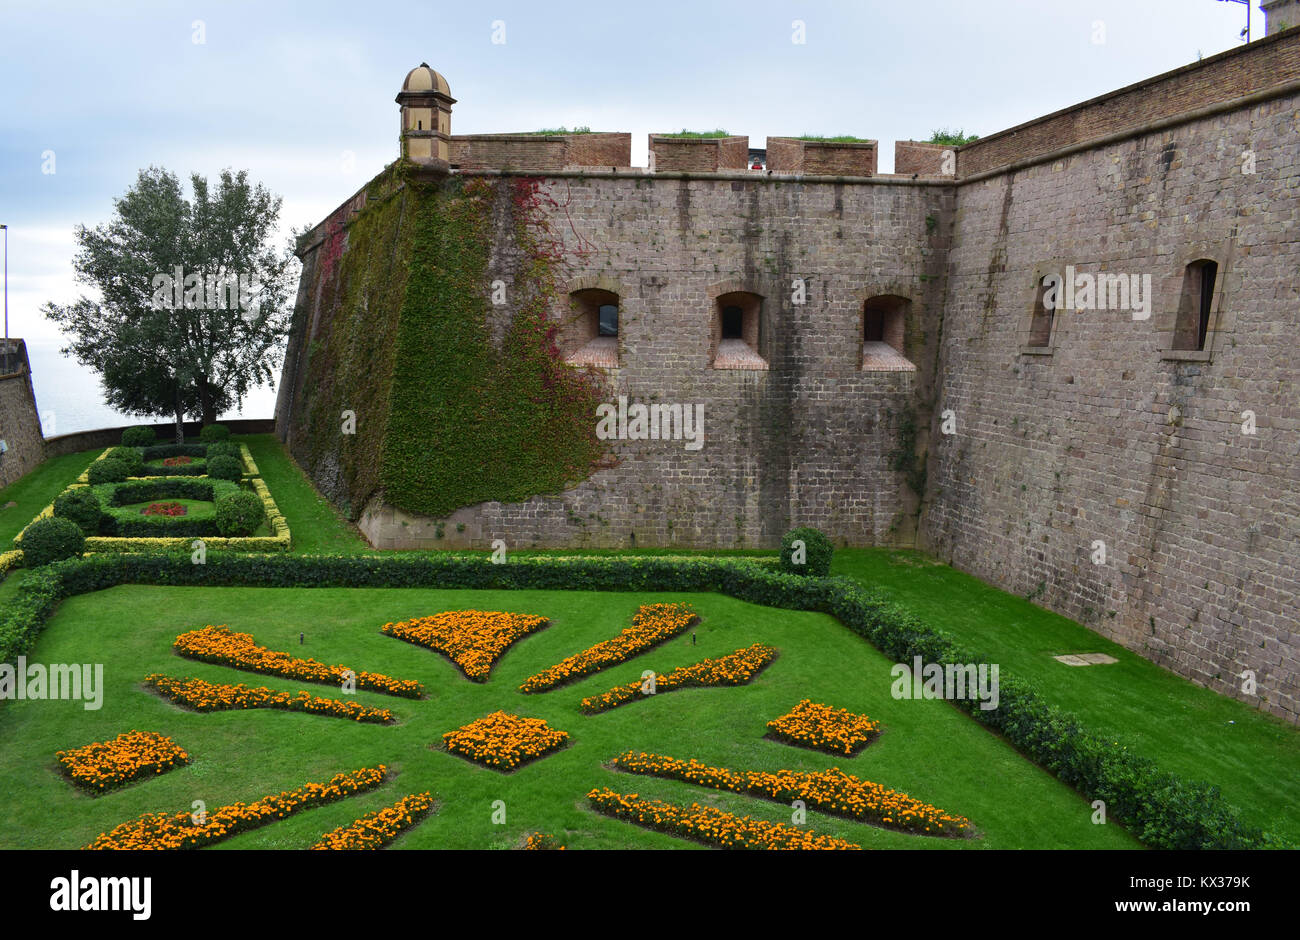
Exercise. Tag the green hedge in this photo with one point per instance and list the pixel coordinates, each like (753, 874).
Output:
(1160, 809)
(159, 451)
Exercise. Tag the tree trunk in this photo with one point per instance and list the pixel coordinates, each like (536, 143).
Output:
(180, 419)
(206, 407)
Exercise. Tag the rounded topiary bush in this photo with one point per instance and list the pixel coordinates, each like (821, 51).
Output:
(223, 449)
(80, 506)
(51, 539)
(225, 468)
(239, 514)
(129, 456)
(811, 557)
(108, 470)
(213, 433)
(138, 437)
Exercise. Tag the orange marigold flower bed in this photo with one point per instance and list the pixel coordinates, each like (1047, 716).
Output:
(652, 625)
(103, 765)
(831, 791)
(823, 728)
(503, 741)
(181, 461)
(205, 696)
(711, 826)
(226, 648)
(190, 830)
(375, 830)
(472, 639)
(539, 841)
(735, 668)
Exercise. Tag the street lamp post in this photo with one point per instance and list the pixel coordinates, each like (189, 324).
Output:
(6, 229)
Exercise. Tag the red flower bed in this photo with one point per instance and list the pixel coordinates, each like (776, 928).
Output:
(177, 461)
(164, 509)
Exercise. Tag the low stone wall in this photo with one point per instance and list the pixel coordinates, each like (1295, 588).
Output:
(108, 437)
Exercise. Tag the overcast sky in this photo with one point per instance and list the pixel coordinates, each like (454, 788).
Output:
(301, 94)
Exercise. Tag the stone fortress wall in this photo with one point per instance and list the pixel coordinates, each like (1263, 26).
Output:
(1104, 434)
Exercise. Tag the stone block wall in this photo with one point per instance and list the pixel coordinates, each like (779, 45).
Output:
(20, 425)
(805, 442)
(1107, 435)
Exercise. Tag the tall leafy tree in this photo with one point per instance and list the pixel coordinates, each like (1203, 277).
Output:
(193, 303)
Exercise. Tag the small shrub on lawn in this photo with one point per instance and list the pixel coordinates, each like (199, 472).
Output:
(225, 468)
(214, 433)
(239, 514)
(80, 506)
(52, 539)
(816, 554)
(129, 456)
(223, 449)
(108, 470)
(138, 437)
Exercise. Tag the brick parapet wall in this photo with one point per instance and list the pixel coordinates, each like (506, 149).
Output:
(1265, 63)
(699, 154)
(821, 158)
(541, 152)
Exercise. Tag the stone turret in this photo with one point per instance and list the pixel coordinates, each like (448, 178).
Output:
(1280, 15)
(426, 101)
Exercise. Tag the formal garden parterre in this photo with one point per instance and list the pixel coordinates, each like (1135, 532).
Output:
(325, 602)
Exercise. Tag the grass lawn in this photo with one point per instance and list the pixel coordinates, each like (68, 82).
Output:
(1189, 730)
(928, 748)
(36, 490)
(316, 526)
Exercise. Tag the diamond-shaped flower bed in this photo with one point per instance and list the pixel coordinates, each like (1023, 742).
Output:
(823, 728)
(503, 741)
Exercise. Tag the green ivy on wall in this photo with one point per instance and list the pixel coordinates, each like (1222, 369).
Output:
(447, 418)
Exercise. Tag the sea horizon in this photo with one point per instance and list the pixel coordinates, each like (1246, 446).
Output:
(70, 396)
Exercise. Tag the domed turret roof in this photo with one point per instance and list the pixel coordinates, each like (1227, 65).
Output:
(423, 78)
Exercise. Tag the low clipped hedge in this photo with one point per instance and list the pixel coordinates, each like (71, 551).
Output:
(130, 525)
(81, 506)
(130, 456)
(817, 552)
(239, 514)
(138, 437)
(52, 539)
(159, 451)
(214, 433)
(197, 469)
(225, 468)
(1159, 808)
(108, 470)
